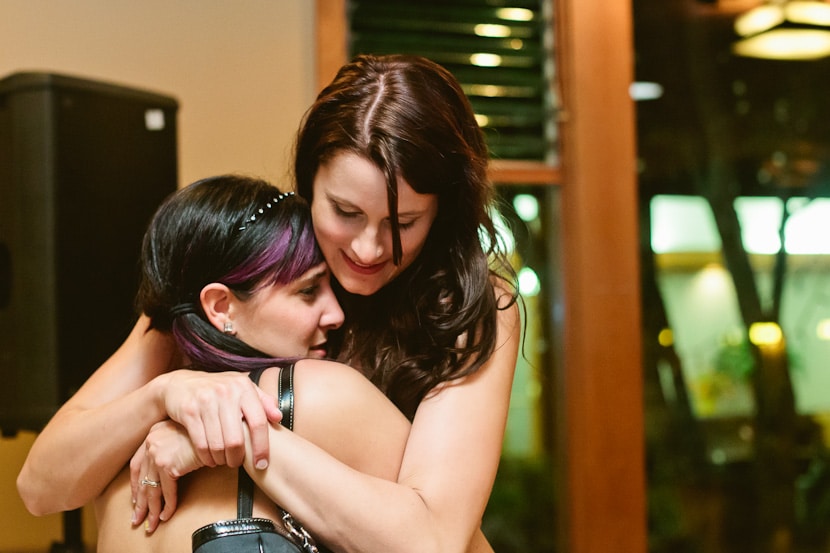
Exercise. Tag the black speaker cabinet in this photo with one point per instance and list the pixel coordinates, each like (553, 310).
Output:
(83, 166)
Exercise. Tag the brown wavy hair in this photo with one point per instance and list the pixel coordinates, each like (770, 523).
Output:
(437, 320)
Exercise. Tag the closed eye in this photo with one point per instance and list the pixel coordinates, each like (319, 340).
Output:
(343, 213)
(309, 286)
(310, 292)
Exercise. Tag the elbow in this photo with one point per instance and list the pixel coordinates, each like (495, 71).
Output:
(31, 499)
(37, 500)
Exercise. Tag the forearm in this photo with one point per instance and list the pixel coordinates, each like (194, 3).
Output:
(96, 432)
(81, 450)
(354, 512)
(360, 477)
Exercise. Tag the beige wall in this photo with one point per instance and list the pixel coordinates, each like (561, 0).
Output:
(242, 71)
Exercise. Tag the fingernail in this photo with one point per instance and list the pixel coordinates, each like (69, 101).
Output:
(132, 519)
(262, 464)
(147, 526)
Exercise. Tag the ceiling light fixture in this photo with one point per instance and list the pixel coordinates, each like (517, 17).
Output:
(785, 30)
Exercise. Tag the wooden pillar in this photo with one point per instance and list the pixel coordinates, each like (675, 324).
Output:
(602, 505)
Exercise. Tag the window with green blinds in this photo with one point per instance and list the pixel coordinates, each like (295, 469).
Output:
(498, 49)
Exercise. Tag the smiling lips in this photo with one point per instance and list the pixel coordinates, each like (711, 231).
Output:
(363, 269)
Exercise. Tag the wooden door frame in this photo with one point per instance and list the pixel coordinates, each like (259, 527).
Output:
(599, 411)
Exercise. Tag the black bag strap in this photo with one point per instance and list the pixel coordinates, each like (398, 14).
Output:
(285, 398)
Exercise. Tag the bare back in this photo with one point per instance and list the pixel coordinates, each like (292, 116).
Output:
(324, 391)
(205, 496)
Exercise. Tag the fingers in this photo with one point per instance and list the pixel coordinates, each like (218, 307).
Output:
(153, 491)
(212, 406)
(258, 415)
(135, 470)
(168, 454)
(137, 464)
(198, 430)
(233, 436)
(213, 421)
(169, 490)
(147, 504)
(271, 406)
(147, 494)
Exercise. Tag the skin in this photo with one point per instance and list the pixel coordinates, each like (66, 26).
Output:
(209, 494)
(447, 470)
(351, 223)
(445, 479)
(435, 502)
(281, 321)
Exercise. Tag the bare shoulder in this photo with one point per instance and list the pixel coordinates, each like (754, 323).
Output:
(341, 411)
(317, 372)
(331, 381)
(325, 391)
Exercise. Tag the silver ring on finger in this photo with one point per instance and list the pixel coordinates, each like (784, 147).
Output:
(147, 482)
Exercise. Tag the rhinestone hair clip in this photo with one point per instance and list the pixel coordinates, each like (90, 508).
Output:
(274, 201)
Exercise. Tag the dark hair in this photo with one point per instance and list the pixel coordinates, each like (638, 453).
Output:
(235, 230)
(410, 118)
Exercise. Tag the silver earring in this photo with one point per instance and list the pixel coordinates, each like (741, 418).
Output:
(228, 329)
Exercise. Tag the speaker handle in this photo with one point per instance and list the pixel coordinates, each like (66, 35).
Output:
(5, 276)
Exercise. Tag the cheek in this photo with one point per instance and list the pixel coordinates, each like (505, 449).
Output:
(330, 233)
(303, 327)
(412, 246)
(294, 333)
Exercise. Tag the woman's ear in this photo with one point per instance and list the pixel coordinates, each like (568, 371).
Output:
(216, 301)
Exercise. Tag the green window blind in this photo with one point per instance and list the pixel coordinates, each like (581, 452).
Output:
(498, 49)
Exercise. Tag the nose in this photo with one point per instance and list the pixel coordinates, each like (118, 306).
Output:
(368, 245)
(332, 316)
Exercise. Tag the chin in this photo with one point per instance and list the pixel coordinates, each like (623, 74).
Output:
(362, 290)
(361, 287)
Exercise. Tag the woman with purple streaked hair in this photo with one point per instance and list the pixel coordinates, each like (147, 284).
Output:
(231, 270)
(247, 235)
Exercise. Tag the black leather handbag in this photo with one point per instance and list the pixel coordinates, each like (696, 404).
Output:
(258, 535)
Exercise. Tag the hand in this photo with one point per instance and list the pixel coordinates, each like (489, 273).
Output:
(166, 455)
(212, 408)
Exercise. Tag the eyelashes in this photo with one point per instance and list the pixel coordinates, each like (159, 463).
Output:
(354, 214)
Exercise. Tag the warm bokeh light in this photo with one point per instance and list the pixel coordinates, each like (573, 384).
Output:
(758, 20)
(515, 14)
(486, 60)
(786, 44)
(765, 334)
(492, 31)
